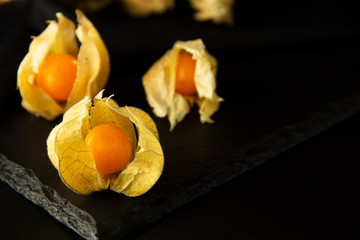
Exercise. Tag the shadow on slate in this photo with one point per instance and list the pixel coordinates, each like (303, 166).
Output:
(283, 82)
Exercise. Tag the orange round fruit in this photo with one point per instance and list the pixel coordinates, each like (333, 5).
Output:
(56, 75)
(185, 71)
(110, 148)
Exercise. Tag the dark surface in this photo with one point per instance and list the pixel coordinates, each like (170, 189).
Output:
(285, 78)
(309, 192)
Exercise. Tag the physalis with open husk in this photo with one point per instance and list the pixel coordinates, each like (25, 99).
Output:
(184, 75)
(218, 11)
(55, 73)
(144, 8)
(100, 145)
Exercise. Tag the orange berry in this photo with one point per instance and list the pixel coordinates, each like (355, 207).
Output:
(110, 147)
(56, 75)
(185, 71)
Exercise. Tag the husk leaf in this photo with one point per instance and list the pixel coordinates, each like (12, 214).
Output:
(78, 110)
(76, 165)
(143, 172)
(93, 62)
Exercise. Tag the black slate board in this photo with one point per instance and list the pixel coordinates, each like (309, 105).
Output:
(282, 84)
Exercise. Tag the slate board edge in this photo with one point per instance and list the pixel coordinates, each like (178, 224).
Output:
(26, 183)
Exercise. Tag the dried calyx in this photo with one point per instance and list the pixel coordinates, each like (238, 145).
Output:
(169, 90)
(73, 155)
(56, 48)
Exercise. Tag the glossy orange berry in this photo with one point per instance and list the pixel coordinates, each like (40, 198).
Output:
(56, 75)
(110, 148)
(185, 71)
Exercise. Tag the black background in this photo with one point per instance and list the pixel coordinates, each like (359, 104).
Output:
(280, 62)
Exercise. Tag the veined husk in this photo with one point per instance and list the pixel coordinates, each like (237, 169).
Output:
(159, 84)
(143, 8)
(218, 11)
(59, 37)
(70, 155)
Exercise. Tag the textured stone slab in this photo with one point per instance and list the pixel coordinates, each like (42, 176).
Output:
(25, 182)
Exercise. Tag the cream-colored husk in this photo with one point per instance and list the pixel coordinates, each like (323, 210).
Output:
(59, 37)
(143, 8)
(70, 155)
(218, 11)
(159, 84)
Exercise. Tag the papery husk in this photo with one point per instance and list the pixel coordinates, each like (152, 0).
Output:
(218, 11)
(144, 8)
(69, 153)
(159, 84)
(71, 156)
(59, 37)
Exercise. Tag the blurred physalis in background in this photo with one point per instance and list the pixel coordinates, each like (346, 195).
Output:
(218, 11)
(143, 8)
(138, 8)
(7, 1)
(87, 5)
